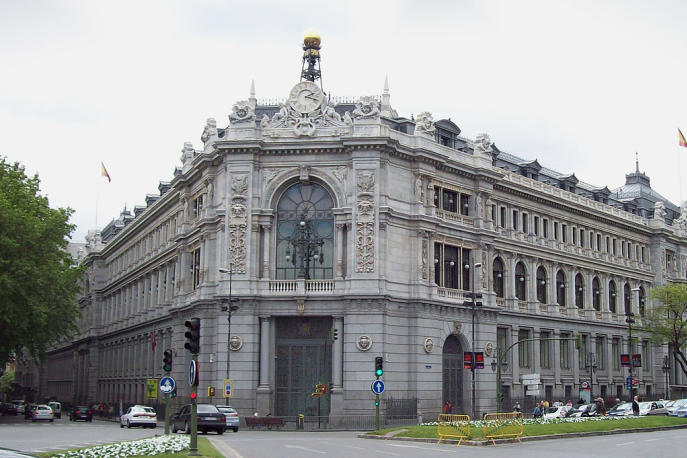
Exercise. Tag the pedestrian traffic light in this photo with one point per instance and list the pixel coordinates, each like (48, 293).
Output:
(174, 392)
(193, 394)
(467, 360)
(379, 366)
(192, 335)
(167, 361)
(211, 391)
(376, 403)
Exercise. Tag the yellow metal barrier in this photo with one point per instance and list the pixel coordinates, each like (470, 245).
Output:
(453, 426)
(502, 425)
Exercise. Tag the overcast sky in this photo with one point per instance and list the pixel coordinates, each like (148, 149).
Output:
(579, 85)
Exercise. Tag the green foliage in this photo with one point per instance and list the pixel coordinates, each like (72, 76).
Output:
(666, 320)
(38, 278)
(6, 382)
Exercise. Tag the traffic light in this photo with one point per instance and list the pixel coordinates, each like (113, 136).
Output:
(467, 360)
(167, 361)
(479, 360)
(192, 335)
(193, 395)
(376, 403)
(174, 392)
(379, 366)
(335, 334)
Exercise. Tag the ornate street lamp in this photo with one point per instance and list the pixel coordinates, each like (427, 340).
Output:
(307, 247)
(228, 306)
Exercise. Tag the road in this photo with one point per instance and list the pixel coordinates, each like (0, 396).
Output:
(259, 444)
(23, 435)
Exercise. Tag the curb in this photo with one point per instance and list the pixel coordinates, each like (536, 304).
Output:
(526, 438)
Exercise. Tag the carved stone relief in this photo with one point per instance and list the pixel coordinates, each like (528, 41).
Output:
(363, 342)
(366, 108)
(242, 113)
(424, 125)
(365, 222)
(268, 175)
(419, 189)
(483, 144)
(210, 130)
(341, 173)
(238, 223)
(423, 260)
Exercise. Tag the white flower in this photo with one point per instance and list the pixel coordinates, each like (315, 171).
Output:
(152, 446)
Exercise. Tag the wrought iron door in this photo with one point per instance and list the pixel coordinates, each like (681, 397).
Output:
(452, 377)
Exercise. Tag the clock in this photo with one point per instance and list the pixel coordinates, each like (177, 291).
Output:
(305, 97)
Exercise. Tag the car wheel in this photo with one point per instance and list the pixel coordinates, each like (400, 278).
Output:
(187, 428)
(128, 424)
(220, 431)
(51, 420)
(236, 429)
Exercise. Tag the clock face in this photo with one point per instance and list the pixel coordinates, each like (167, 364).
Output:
(306, 97)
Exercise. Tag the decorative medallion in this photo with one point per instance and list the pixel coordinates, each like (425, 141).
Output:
(489, 349)
(364, 342)
(428, 345)
(235, 343)
(457, 327)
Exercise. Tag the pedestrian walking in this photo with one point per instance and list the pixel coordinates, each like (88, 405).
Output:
(448, 407)
(635, 406)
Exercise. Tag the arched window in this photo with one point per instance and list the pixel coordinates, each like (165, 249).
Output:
(560, 288)
(627, 298)
(579, 291)
(305, 233)
(642, 301)
(520, 289)
(596, 294)
(498, 277)
(611, 296)
(541, 285)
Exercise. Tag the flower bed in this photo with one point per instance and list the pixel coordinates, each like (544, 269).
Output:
(542, 421)
(152, 446)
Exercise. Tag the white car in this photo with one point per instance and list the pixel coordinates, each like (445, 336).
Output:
(21, 406)
(42, 412)
(139, 416)
(557, 412)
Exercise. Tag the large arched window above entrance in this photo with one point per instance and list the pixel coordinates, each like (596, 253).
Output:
(579, 291)
(560, 288)
(541, 285)
(498, 277)
(520, 290)
(611, 296)
(596, 294)
(305, 233)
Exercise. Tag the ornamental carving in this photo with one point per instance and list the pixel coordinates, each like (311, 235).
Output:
(238, 223)
(365, 222)
(428, 345)
(235, 343)
(340, 173)
(483, 144)
(241, 113)
(457, 328)
(660, 211)
(419, 189)
(366, 108)
(423, 260)
(363, 342)
(210, 130)
(424, 124)
(269, 174)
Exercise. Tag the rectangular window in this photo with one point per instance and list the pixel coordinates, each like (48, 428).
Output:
(598, 242)
(574, 236)
(615, 243)
(544, 356)
(564, 233)
(622, 248)
(515, 220)
(555, 230)
(493, 213)
(197, 206)
(564, 347)
(545, 228)
(524, 223)
(536, 225)
(503, 217)
(464, 204)
(195, 267)
(582, 238)
(449, 201)
(523, 348)
(582, 354)
(646, 363)
(643, 254)
(600, 353)
(615, 352)
(591, 240)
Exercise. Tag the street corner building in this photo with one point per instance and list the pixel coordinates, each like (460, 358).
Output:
(314, 234)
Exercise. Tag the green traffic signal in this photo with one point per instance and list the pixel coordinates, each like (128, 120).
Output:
(376, 403)
(379, 366)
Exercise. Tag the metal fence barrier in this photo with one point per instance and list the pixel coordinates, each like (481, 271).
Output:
(453, 426)
(502, 425)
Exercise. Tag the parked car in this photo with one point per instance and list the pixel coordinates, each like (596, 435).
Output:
(557, 412)
(678, 404)
(42, 412)
(232, 417)
(28, 410)
(623, 409)
(584, 410)
(56, 408)
(9, 409)
(81, 413)
(209, 419)
(652, 408)
(21, 406)
(139, 416)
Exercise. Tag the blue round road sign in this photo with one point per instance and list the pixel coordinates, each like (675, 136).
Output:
(377, 387)
(167, 384)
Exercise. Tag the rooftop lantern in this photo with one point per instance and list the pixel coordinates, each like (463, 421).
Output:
(311, 57)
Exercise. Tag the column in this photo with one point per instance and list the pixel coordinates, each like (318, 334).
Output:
(589, 291)
(536, 346)
(532, 286)
(339, 250)
(267, 238)
(264, 391)
(557, 357)
(514, 356)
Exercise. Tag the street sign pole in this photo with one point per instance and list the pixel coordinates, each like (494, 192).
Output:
(167, 413)
(193, 447)
(377, 412)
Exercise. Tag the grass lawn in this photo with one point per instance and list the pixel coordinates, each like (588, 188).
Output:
(205, 449)
(430, 432)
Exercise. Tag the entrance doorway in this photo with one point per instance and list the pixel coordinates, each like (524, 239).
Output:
(452, 377)
(304, 359)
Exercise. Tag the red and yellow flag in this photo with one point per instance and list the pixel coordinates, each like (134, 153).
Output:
(103, 172)
(681, 137)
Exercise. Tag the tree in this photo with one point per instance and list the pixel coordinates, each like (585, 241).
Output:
(39, 280)
(666, 320)
(6, 382)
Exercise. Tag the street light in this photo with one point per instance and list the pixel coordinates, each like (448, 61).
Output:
(666, 370)
(231, 307)
(307, 246)
(630, 321)
(475, 266)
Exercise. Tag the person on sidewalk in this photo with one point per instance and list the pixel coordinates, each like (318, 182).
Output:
(635, 406)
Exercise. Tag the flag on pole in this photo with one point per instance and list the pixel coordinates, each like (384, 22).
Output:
(152, 340)
(681, 137)
(103, 172)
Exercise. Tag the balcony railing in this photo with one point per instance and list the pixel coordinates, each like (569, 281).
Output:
(301, 286)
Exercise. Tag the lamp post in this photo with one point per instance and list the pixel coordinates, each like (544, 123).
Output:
(307, 247)
(591, 363)
(231, 307)
(475, 266)
(666, 371)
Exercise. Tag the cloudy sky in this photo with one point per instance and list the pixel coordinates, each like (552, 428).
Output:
(579, 85)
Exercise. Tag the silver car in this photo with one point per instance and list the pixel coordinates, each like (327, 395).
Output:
(42, 412)
(232, 417)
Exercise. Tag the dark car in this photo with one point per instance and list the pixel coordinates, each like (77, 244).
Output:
(81, 413)
(209, 419)
(9, 409)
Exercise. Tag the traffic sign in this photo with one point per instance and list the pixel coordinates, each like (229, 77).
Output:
(193, 373)
(377, 387)
(585, 385)
(531, 379)
(167, 384)
(228, 388)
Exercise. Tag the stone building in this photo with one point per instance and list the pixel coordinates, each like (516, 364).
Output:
(342, 218)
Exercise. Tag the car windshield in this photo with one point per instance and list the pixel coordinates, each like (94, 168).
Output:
(206, 408)
(143, 409)
(680, 403)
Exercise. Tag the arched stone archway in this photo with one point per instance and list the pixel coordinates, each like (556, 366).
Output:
(452, 374)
